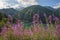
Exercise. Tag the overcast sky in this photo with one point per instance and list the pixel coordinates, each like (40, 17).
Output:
(26, 3)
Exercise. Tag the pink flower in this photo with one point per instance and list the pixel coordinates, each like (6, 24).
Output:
(36, 17)
(57, 26)
(10, 18)
(34, 22)
(50, 18)
(57, 29)
(56, 19)
(4, 29)
(40, 22)
(18, 28)
(19, 23)
(44, 15)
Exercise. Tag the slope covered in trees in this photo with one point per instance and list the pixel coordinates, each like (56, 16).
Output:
(27, 13)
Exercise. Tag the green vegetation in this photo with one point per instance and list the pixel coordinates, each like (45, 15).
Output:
(3, 19)
(27, 13)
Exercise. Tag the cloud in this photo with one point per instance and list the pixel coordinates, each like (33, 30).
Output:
(26, 3)
(2, 4)
(6, 3)
(17, 3)
(57, 6)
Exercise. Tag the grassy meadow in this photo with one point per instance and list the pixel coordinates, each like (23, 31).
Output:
(36, 30)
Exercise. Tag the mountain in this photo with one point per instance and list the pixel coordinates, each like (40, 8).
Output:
(50, 8)
(58, 9)
(27, 13)
(9, 11)
(19, 8)
(4, 14)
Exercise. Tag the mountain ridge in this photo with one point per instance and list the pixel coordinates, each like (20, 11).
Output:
(28, 12)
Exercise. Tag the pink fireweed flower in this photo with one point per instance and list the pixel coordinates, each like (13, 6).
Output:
(34, 22)
(36, 17)
(50, 18)
(17, 31)
(56, 19)
(4, 29)
(44, 15)
(10, 18)
(19, 23)
(57, 29)
(18, 28)
(8, 24)
(57, 26)
(40, 22)
(14, 27)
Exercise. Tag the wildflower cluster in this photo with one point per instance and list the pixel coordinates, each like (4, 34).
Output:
(37, 31)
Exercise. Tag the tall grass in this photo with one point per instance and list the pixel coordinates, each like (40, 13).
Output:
(37, 31)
